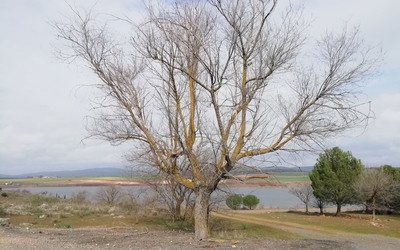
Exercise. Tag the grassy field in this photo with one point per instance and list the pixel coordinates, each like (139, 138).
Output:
(290, 178)
(57, 180)
(230, 228)
(281, 177)
(287, 177)
(354, 222)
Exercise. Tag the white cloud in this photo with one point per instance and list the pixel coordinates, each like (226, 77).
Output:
(380, 144)
(41, 113)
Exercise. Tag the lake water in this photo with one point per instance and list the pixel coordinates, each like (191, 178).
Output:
(269, 197)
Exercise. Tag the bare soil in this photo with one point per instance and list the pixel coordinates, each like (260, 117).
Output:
(123, 238)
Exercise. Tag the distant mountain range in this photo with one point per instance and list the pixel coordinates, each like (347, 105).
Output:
(117, 172)
(91, 172)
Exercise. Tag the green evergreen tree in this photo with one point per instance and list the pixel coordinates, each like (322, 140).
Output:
(234, 201)
(394, 172)
(394, 203)
(333, 177)
(250, 201)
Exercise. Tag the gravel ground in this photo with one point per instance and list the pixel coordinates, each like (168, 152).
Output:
(122, 238)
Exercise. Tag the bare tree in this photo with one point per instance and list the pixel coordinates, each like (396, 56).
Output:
(171, 193)
(229, 79)
(80, 197)
(175, 196)
(318, 203)
(108, 194)
(373, 185)
(304, 192)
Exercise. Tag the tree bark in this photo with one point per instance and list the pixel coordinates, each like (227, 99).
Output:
(306, 207)
(321, 208)
(373, 208)
(178, 205)
(338, 209)
(201, 213)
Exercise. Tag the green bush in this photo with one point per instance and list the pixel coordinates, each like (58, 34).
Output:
(251, 201)
(234, 201)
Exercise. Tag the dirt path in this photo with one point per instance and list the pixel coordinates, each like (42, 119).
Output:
(354, 241)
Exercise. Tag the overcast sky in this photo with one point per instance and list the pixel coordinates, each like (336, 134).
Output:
(42, 110)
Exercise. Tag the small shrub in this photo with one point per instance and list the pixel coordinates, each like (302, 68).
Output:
(4, 194)
(80, 197)
(129, 204)
(234, 201)
(183, 225)
(86, 211)
(68, 226)
(39, 199)
(109, 195)
(251, 201)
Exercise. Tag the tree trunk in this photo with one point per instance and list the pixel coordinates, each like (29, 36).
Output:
(306, 207)
(321, 208)
(201, 212)
(177, 213)
(338, 209)
(373, 208)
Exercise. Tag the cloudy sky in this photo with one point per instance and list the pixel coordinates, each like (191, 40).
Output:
(42, 110)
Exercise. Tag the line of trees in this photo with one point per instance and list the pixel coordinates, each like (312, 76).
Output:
(338, 178)
(235, 201)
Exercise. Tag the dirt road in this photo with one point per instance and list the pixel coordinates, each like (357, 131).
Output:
(336, 239)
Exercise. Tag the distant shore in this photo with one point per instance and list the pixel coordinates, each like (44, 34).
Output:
(99, 182)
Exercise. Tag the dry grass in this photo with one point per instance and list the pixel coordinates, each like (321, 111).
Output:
(386, 225)
(28, 208)
(233, 229)
(97, 220)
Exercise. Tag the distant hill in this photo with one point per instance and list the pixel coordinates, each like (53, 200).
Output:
(104, 172)
(91, 172)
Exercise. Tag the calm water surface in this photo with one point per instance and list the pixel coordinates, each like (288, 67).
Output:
(276, 197)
